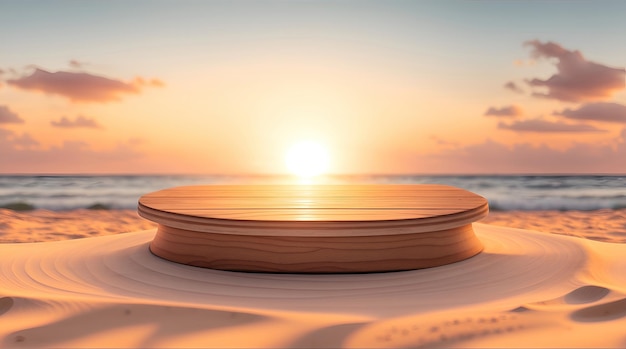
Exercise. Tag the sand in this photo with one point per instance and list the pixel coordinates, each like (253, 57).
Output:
(43, 225)
(526, 289)
(600, 225)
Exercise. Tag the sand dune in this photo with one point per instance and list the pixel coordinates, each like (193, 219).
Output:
(525, 289)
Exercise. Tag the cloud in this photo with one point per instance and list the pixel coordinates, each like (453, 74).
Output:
(8, 71)
(79, 122)
(544, 126)
(9, 141)
(513, 87)
(152, 82)
(79, 86)
(507, 111)
(25, 141)
(76, 64)
(9, 117)
(494, 157)
(156, 83)
(23, 154)
(442, 142)
(577, 79)
(602, 111)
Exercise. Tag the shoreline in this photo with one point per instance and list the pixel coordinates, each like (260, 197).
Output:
(44, 225)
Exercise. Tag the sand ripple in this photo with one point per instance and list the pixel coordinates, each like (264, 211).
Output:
(76, 292)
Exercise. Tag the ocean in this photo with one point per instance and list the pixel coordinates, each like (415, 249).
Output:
(504, 193)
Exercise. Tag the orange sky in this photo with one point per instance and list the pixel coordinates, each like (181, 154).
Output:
(387, 87)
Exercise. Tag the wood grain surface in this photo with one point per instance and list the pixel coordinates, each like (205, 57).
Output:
(315, 228)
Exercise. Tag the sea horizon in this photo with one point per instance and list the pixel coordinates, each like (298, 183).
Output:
(508, 192)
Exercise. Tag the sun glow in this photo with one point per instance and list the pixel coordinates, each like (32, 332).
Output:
(307, 159)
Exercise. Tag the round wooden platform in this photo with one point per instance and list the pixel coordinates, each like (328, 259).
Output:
(314, 228)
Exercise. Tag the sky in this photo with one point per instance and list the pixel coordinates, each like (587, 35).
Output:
(388, 87)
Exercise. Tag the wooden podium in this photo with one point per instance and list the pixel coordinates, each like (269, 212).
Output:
(314, 228)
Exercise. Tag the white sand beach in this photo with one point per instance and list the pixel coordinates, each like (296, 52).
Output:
(526, 289)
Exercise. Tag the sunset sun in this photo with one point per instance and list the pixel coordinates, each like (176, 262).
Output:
(307, 159)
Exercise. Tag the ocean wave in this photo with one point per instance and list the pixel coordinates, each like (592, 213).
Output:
(537, 204)
(504, 193)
